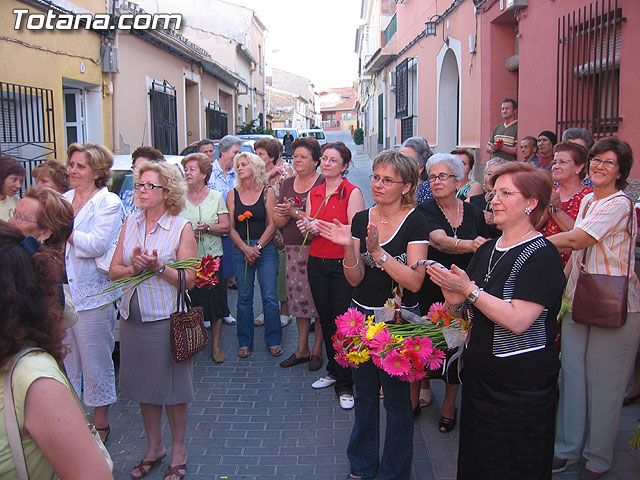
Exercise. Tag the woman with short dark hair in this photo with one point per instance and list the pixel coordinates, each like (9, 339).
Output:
(512, 292)
(11, 177)
(596, 361)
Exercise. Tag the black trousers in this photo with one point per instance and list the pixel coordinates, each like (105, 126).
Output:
(332, 296)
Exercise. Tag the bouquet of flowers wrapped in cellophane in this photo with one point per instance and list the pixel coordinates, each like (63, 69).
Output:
(404, 351)
(635, 439)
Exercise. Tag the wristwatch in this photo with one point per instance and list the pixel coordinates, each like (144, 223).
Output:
(259, 247)
(208, 228)
(473, 296)
(161, 269)
(383, 258)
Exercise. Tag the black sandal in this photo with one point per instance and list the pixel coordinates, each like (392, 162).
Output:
(445, 424)
(105, 429)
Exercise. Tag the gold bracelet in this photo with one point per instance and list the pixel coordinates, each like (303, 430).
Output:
(457, 309)
(345, 266)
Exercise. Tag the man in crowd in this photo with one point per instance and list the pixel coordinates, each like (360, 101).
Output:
(504, 137)
(223, 179)
(206, 146)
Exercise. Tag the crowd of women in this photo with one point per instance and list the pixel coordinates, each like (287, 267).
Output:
(317, 251)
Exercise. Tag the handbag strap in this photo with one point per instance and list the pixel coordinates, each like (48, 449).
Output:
(11, 417)
(182, 301)
(584, 254)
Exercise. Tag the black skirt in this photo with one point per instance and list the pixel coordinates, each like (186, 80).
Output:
(212, 300)
(507, 429)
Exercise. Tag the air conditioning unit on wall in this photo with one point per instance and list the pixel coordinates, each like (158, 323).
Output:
(517, 4)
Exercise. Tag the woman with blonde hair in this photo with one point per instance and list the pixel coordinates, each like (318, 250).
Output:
(52, 174)
(97, 222)
(251, 206)
(151, 240)
(209, 217)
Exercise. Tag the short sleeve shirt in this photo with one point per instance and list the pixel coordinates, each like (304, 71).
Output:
(606, 221)
(509, 136)
(221, 182)
(377, 286)
(528, 271)
(208, 211)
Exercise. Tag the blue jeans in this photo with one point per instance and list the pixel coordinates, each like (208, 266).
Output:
(364, 444)
(267, 266)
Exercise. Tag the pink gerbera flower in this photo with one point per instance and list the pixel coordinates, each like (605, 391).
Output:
(435, 360)
(396, 364)
(380, 341)
(377, 360)
(420, 345)
(438, 314)
(350, 322)
(341, 358)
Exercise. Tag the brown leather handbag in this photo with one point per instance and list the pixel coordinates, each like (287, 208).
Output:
(187, 333)
(601, 300)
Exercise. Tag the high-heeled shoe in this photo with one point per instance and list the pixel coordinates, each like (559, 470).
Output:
(445, 424)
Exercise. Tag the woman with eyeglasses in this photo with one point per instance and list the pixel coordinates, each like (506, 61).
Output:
(96, 225)
(151, 240)
(512, 292)
(568, 169)
(457, 229)
(597, 361)
(379, 248)
(11, 178)
(336, 199)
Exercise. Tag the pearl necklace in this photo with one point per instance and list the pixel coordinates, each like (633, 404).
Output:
(490, 269)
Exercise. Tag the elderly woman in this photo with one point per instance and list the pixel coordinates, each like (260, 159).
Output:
(546, 141)
(43, 213)
(11, 179)
(150, 241)
(568, 170)
(467, 187)
(268, 149)
(251, 205)
(336, 199)
(597, 362)
(512, 292)
(291, 205)
(53, 430)
(378, 249)
(209, 217)
(581, 136)
(457, 229)
(97, 222)
(418, 149)
(52, 174)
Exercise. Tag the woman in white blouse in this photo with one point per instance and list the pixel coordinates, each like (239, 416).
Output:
(96, 226)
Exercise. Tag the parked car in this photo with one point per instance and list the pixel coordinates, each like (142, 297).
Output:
(318, 133)
(254, 136)
(247, 146)
(122, 176)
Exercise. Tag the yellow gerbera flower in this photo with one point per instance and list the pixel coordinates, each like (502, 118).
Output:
(373, 330)
(359, 357)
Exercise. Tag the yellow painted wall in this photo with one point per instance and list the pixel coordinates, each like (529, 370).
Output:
(37, 65)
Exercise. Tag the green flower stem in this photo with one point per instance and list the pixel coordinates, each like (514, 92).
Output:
(304, 241)
(246, 263)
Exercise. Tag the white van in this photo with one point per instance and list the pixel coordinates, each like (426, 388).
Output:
(318, 133)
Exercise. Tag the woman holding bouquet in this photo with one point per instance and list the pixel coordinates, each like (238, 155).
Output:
(336, 199)
(378, 249)
(251, 204)
(149, 241)
(209, 217)
(512, 291)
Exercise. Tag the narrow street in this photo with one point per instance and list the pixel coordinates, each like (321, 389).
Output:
(254, 420)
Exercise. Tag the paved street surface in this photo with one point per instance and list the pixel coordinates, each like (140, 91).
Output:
(254, 420)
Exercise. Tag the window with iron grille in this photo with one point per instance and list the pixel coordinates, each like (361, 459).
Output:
(402, 89)
(406, 128)
(217, 125)
(164, 117)
(27, 126)
(589, 45)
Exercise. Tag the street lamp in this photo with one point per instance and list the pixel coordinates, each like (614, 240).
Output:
(430, 26)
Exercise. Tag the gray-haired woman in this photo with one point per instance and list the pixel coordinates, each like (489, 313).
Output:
(418, 149)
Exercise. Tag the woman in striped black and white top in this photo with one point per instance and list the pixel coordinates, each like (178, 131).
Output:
(512, 290)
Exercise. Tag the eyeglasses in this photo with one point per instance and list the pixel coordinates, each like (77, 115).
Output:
(17, 218)
(330, 161)
(502, 194)
(148, 186)
(608, 164)
(442, 177)
(386, 181)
